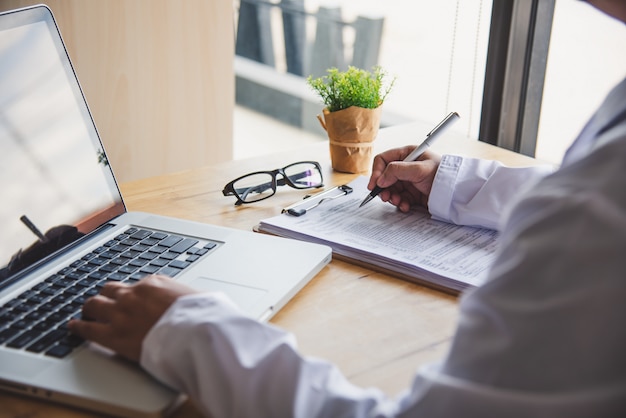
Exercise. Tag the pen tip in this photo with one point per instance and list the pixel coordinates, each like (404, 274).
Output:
(367, 199)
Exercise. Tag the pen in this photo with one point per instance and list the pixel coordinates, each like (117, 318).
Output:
(33, 228)
(430, 138)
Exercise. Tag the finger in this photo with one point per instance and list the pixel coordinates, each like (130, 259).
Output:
(99, 308)
(383, 159)
(378, 166)
(93, 331)
(111, 289)
(400, 171)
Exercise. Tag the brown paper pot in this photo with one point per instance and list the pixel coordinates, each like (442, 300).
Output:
(351, 132)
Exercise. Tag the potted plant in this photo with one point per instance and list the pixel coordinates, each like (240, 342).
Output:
(351, 118)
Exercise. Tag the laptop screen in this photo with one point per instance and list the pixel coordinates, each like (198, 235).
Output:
(57, 185)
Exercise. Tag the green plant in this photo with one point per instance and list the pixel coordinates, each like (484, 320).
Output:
(354, 87)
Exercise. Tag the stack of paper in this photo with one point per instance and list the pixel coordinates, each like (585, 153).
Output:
(412, 246)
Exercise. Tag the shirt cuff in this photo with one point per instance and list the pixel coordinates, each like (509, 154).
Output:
(176, 325)
(440, 199)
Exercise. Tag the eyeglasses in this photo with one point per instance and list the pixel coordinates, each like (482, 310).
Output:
(260, 185)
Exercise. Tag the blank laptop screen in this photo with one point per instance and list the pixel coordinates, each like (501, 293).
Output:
(57, 185)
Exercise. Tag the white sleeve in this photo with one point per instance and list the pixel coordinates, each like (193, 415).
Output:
(234, 366)
(470, 191)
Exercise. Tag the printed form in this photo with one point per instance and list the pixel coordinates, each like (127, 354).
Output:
(409, 244)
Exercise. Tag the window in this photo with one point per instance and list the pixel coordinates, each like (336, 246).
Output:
(436, 51)
(583, 65)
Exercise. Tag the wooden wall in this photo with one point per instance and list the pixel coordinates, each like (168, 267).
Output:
(158, 76)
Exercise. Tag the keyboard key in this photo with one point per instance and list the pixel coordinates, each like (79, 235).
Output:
(109, 254)
(51, 290)
(72, 340)
(43, 325)
(22, 323)
(117, 277)
(150, 255)
(37, 298)
(46, 341)
(56, 317)
(8, 334)
(99, 261)
(27, 295)
(107, 268)
(9, 316)
(150, 241)
(159, 249)
(127, 269)
(141, 247)
(169, 271)
(183, 245)
(75, 275)
(130, 242)
(140, 262)
(88, 282)
(158, 235)
(23, 339)
(150, 269)
(119, 261)
(100, 250)
(135, 277)
(59, 351)
(93, 291)
(169, 255)
(170, 241)
(23, 307)
(179, 264)
(130, 254)
(36, 315)
(119, 248)
(160, 262)
(141, 234)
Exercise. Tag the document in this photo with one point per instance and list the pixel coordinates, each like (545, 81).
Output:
(410, 245)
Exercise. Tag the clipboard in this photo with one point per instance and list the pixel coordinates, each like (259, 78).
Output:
(310, 202)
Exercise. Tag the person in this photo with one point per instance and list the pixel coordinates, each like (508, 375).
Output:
(543, 337)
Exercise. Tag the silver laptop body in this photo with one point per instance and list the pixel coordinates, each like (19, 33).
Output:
(64, 222)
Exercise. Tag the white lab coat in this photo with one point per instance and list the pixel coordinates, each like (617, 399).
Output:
(544, 337)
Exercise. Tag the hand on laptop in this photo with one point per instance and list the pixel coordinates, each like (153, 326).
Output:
(404, 184)
(121, 315)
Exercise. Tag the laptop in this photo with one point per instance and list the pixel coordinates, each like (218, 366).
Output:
(66, 232)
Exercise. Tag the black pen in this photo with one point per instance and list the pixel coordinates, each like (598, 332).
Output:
(430, 138)
(33, 228)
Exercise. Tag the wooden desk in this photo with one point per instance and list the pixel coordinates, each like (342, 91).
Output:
(376, 328)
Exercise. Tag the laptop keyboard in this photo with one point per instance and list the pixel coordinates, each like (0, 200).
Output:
(36, 320)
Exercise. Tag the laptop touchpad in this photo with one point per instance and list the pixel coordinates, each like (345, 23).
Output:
(243, 296)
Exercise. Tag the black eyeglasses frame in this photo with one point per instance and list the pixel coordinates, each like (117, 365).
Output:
(229, 189)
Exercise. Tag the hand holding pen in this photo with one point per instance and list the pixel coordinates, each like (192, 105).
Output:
(400, 180)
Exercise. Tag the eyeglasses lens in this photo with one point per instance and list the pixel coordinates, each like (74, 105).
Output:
(304, 175)
(254, 187)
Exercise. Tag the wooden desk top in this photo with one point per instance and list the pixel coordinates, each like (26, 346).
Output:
(376, 328)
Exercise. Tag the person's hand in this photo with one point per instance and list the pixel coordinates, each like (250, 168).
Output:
(121, 315)
(405, 184)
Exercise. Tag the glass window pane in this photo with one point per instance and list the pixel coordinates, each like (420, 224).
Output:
(583, 65)
(438, 52)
